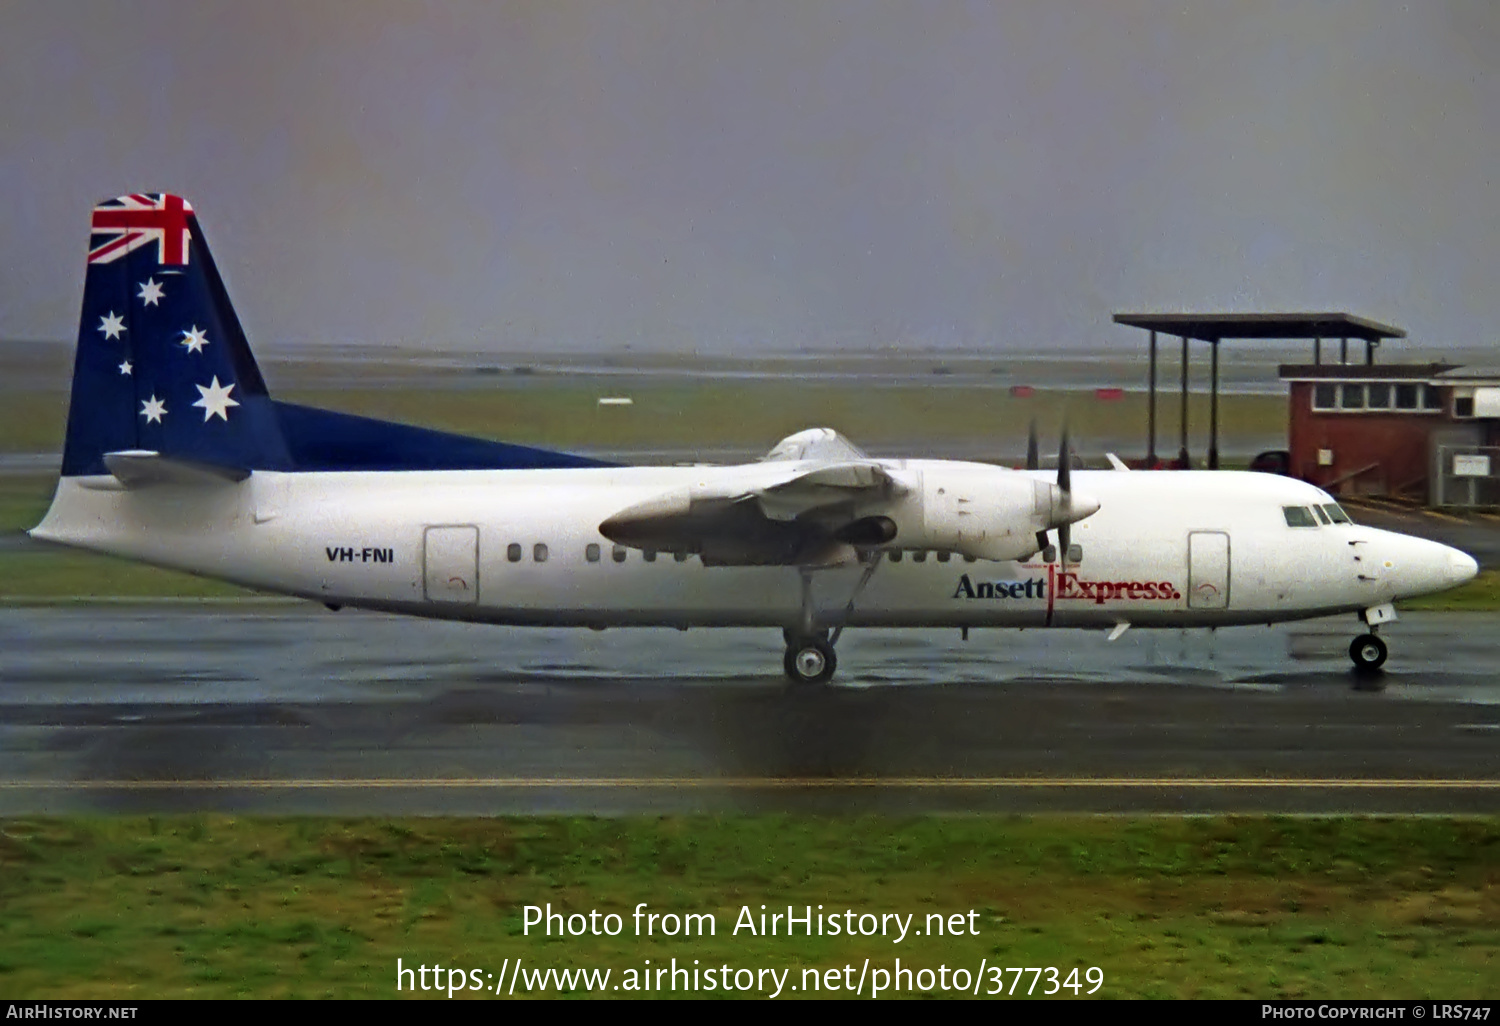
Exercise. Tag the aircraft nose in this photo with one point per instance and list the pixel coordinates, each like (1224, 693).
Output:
(1461, 567)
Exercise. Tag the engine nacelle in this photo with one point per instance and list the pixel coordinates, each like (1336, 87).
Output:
(985, 512)
(982, 512)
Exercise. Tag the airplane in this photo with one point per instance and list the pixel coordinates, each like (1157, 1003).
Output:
(177, 455)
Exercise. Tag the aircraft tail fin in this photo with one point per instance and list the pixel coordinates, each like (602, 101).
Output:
(162, 363)
(164, 370)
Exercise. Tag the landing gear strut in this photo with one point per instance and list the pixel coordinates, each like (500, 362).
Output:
(809, 655)
(1368, 653)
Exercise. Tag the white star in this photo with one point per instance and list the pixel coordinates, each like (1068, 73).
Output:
(215, 400)
(150, 291)
(153, 410)
(126, 367)
(112, 325)
(194, 340)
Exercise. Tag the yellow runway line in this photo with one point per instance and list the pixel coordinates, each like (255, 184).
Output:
(751, 783)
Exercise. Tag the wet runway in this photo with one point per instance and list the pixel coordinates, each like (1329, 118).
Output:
(287, 708)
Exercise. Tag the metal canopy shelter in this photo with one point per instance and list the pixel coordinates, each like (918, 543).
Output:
(1214, 328)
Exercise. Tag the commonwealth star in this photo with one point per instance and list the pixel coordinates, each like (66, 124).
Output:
(215, 400)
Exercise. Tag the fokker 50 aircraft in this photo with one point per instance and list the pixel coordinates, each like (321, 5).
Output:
(177, 455)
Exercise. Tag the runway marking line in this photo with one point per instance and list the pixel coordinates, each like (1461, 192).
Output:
(746, 783)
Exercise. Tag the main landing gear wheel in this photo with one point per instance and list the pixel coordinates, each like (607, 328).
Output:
(1368, 653)
(809, 661)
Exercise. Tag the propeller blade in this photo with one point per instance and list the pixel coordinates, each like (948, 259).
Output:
(1033, 449)
(1064, 467)
(1065, 486)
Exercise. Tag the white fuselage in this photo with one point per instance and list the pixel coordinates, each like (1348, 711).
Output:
(1164, 549)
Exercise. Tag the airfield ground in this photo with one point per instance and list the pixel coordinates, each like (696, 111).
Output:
(206, 905)
(1166, 908)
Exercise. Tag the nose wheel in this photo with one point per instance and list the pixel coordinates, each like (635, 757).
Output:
(809, 660)
(1368, 653)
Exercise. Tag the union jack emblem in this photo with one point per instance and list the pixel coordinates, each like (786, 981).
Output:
(131, 222)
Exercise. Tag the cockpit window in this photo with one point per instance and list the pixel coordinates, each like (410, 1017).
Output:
(1298, 516)
(1336, 513)
(1321, 515)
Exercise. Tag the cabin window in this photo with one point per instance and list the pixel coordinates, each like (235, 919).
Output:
(1325, 397)
(1298, 516)
(618, 554)
(591, 552)
(1378, 396)
(1049, 554)
(1406, 397)
(1352, 397)
(920, 556)
(681, 557)
(513, 552)
(1321, 515)
(944, 556)
(539, 552)
(895, 555)
(649, 555)
(1336, 513)
(971, 559)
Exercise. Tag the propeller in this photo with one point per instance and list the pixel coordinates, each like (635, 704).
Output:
(1034, 462)
(1065, 486)
(1065, 509)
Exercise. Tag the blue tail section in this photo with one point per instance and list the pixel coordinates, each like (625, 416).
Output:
(163, 365)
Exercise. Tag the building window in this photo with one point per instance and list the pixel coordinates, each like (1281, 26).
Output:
(1463, 406)
(1406, 397)
(618, 554)
(539, 552)
(1298, 516)
(1432, 399)
(1378, 396)
(591, 552)
(1351, 397)
(513, 552)
(1325, 397)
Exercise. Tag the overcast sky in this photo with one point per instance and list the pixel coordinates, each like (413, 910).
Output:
(743, 177)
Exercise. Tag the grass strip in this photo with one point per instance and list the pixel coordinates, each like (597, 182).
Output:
(1212, 907)
(753, 414)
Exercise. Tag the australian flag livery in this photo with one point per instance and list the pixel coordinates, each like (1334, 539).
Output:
(163, 366)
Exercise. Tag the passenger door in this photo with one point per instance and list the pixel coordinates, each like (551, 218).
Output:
(450, 560)
(1208, 570)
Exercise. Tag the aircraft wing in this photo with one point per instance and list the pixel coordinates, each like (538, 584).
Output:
(781, 511)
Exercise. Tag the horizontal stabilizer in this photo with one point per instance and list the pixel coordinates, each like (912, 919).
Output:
(138, 468)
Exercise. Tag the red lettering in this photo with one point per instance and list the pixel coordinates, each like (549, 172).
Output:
(1071, 586)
